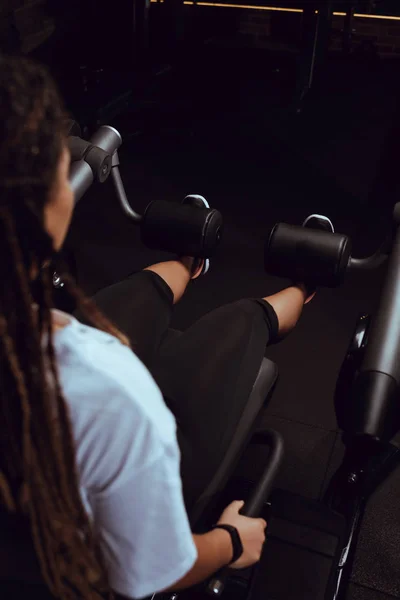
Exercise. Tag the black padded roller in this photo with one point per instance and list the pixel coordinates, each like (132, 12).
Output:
(181, 229)
(309, 255)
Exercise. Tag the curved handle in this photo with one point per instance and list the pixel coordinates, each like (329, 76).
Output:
(258, 497)
(368, 263)
(263, 489)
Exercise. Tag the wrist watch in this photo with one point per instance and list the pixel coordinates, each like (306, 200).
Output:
(237, 545)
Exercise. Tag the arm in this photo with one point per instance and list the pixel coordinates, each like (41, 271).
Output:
(129, 460)
(214, 551)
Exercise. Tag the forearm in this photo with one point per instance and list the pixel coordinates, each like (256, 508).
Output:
(214, 551)
(288, 305)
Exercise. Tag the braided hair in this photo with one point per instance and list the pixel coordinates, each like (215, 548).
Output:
(38, 475)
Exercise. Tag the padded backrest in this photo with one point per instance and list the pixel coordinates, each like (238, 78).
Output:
(262, 390)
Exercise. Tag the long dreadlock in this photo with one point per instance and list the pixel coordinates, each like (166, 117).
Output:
(38, 476)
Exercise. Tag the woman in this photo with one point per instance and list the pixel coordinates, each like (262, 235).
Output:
(89, 460)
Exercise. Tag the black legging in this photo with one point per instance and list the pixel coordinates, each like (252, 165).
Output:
(206, 374)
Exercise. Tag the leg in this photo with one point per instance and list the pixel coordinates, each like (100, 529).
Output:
(177, 274)
(141, 305)
(207, 374)
(288, 305)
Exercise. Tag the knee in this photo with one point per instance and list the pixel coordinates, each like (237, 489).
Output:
(247, 305)
(248, 311)
(260, 314)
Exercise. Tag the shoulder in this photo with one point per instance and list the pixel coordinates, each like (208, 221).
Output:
(103, 379)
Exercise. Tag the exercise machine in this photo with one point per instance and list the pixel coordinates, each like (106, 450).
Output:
(321, 536)
(316, 35)
(324, 534)
(167, 226)
(183, 230)
(178, 228)
(318, 538)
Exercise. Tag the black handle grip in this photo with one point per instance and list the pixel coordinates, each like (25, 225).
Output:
(258, 497)
(263, 489)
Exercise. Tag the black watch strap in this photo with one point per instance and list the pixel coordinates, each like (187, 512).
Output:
(237, 545)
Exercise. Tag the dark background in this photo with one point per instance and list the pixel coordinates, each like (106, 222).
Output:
(203, 109)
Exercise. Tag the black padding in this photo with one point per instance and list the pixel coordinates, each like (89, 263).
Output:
(308, 255)
(289, 572)
(262, 389)
(98, 159)
(306, 512)
(181, 229)
(303, 547)
(100, 163)
(305, 537)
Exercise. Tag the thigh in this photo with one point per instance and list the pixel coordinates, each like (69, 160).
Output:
(206, 376)
(141, 307)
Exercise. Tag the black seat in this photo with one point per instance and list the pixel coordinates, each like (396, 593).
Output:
(260, 394)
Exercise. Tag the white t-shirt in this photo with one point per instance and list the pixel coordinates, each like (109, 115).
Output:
(128, 460)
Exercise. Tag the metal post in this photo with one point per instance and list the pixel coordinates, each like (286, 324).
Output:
(141, 30)
(348, 28)
(317, 20)
(174, 24)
